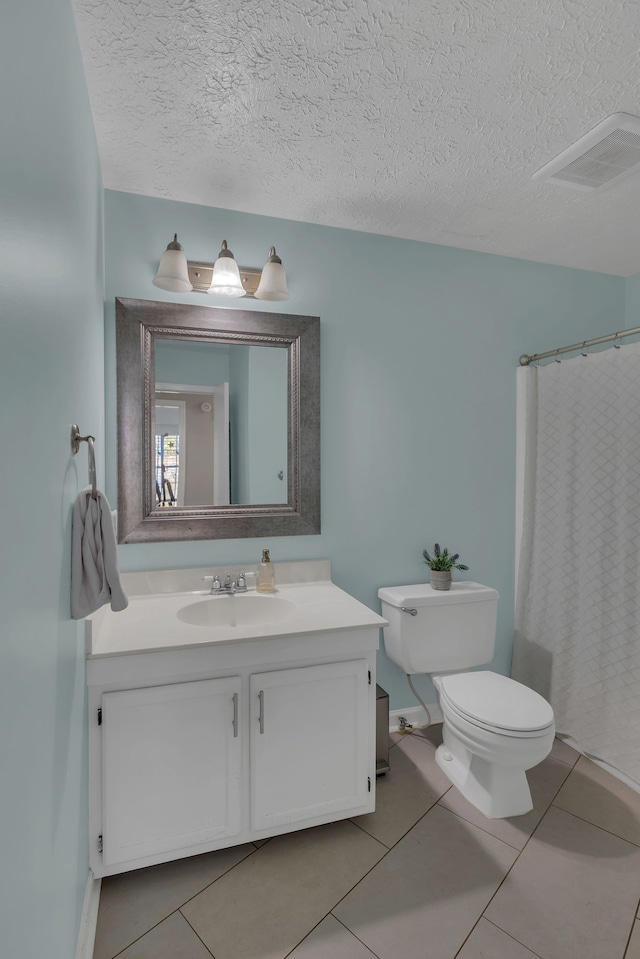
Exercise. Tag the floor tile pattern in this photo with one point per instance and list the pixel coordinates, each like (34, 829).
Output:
(424, 877)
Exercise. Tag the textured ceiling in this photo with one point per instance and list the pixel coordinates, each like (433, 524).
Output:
(421, 119)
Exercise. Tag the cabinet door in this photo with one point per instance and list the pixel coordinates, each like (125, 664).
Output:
(170, 767)
(309, 742)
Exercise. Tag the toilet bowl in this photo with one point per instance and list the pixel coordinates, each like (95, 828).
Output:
(494, 728)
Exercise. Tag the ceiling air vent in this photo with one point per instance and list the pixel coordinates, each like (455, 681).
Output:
(609, 152)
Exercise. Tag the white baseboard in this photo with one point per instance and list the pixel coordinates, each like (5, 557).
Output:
(414, 715)
(89, 918)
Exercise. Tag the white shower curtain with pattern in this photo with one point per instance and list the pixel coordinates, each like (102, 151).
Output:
(577, 636)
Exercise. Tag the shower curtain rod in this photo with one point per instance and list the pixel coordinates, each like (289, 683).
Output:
(526, 360)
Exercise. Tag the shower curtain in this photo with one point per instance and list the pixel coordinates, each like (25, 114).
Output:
(577, 636)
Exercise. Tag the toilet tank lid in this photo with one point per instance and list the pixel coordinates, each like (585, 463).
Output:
(423, 594)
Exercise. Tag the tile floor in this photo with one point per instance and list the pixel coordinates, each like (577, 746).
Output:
(424, 877)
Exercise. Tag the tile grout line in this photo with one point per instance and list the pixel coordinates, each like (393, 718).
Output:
(533, 832)
(179, 907)
(388, 849)
(549, 807)
(295, 946)
(155, 926)
(319, 923)
(502, 881)
(195, 932)
(590, 823)
(248, 856)
(375, 865)
(308, 933)
(481, 828)
(404, 834)
(551, 801)
(496, 926)
(482, 915)
(352, 933)
(349, 891)
(306, 936)
(225, 873)
(626, 946)
(437, 803)
(427, 811)
(565, 761)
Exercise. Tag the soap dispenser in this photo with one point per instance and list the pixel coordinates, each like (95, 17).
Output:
(266, 575)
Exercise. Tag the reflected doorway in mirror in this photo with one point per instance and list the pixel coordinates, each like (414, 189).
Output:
(199, 467)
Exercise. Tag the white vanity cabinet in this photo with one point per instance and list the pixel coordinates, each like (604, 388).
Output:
(171, 767)
(307, 755)
(194, 749)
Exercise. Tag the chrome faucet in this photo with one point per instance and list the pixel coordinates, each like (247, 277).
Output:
(229, 586)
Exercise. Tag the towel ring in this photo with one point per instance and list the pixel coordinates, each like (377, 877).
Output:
(76, 439)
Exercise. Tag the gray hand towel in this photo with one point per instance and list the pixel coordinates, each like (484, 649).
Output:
(95, 579)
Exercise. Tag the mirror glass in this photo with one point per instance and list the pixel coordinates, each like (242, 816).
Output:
(218, 422)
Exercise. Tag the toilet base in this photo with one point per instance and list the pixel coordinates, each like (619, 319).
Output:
(498, 791)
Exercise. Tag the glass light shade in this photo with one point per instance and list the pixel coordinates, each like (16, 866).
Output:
(273, 282)
(225, 280)
(173, 273)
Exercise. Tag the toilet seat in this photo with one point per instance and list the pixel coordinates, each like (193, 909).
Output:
(496, 703)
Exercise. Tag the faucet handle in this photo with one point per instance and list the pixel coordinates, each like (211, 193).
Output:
(242, 582)
(216, 584)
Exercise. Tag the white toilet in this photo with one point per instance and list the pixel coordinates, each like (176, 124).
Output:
(493, 727)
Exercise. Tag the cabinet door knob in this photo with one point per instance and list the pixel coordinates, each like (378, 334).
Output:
(261, 716)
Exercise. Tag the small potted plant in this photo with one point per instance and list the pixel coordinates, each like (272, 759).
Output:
(440, 565)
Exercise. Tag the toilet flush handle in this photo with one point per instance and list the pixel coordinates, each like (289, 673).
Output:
(408, 609)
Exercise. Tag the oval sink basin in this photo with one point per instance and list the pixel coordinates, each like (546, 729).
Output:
(236, 610)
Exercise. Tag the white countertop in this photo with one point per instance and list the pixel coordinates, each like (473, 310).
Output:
(151, 620)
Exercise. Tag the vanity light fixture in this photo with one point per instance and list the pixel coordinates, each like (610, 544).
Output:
(173, 274)
(223, 278)
(273, 282)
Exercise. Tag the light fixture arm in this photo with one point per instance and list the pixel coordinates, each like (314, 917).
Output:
(174, 245)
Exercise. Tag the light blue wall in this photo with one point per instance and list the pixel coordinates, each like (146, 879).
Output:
(51, 374)
(420, 345)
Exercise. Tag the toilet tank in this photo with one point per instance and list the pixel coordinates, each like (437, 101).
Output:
(450, 630)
